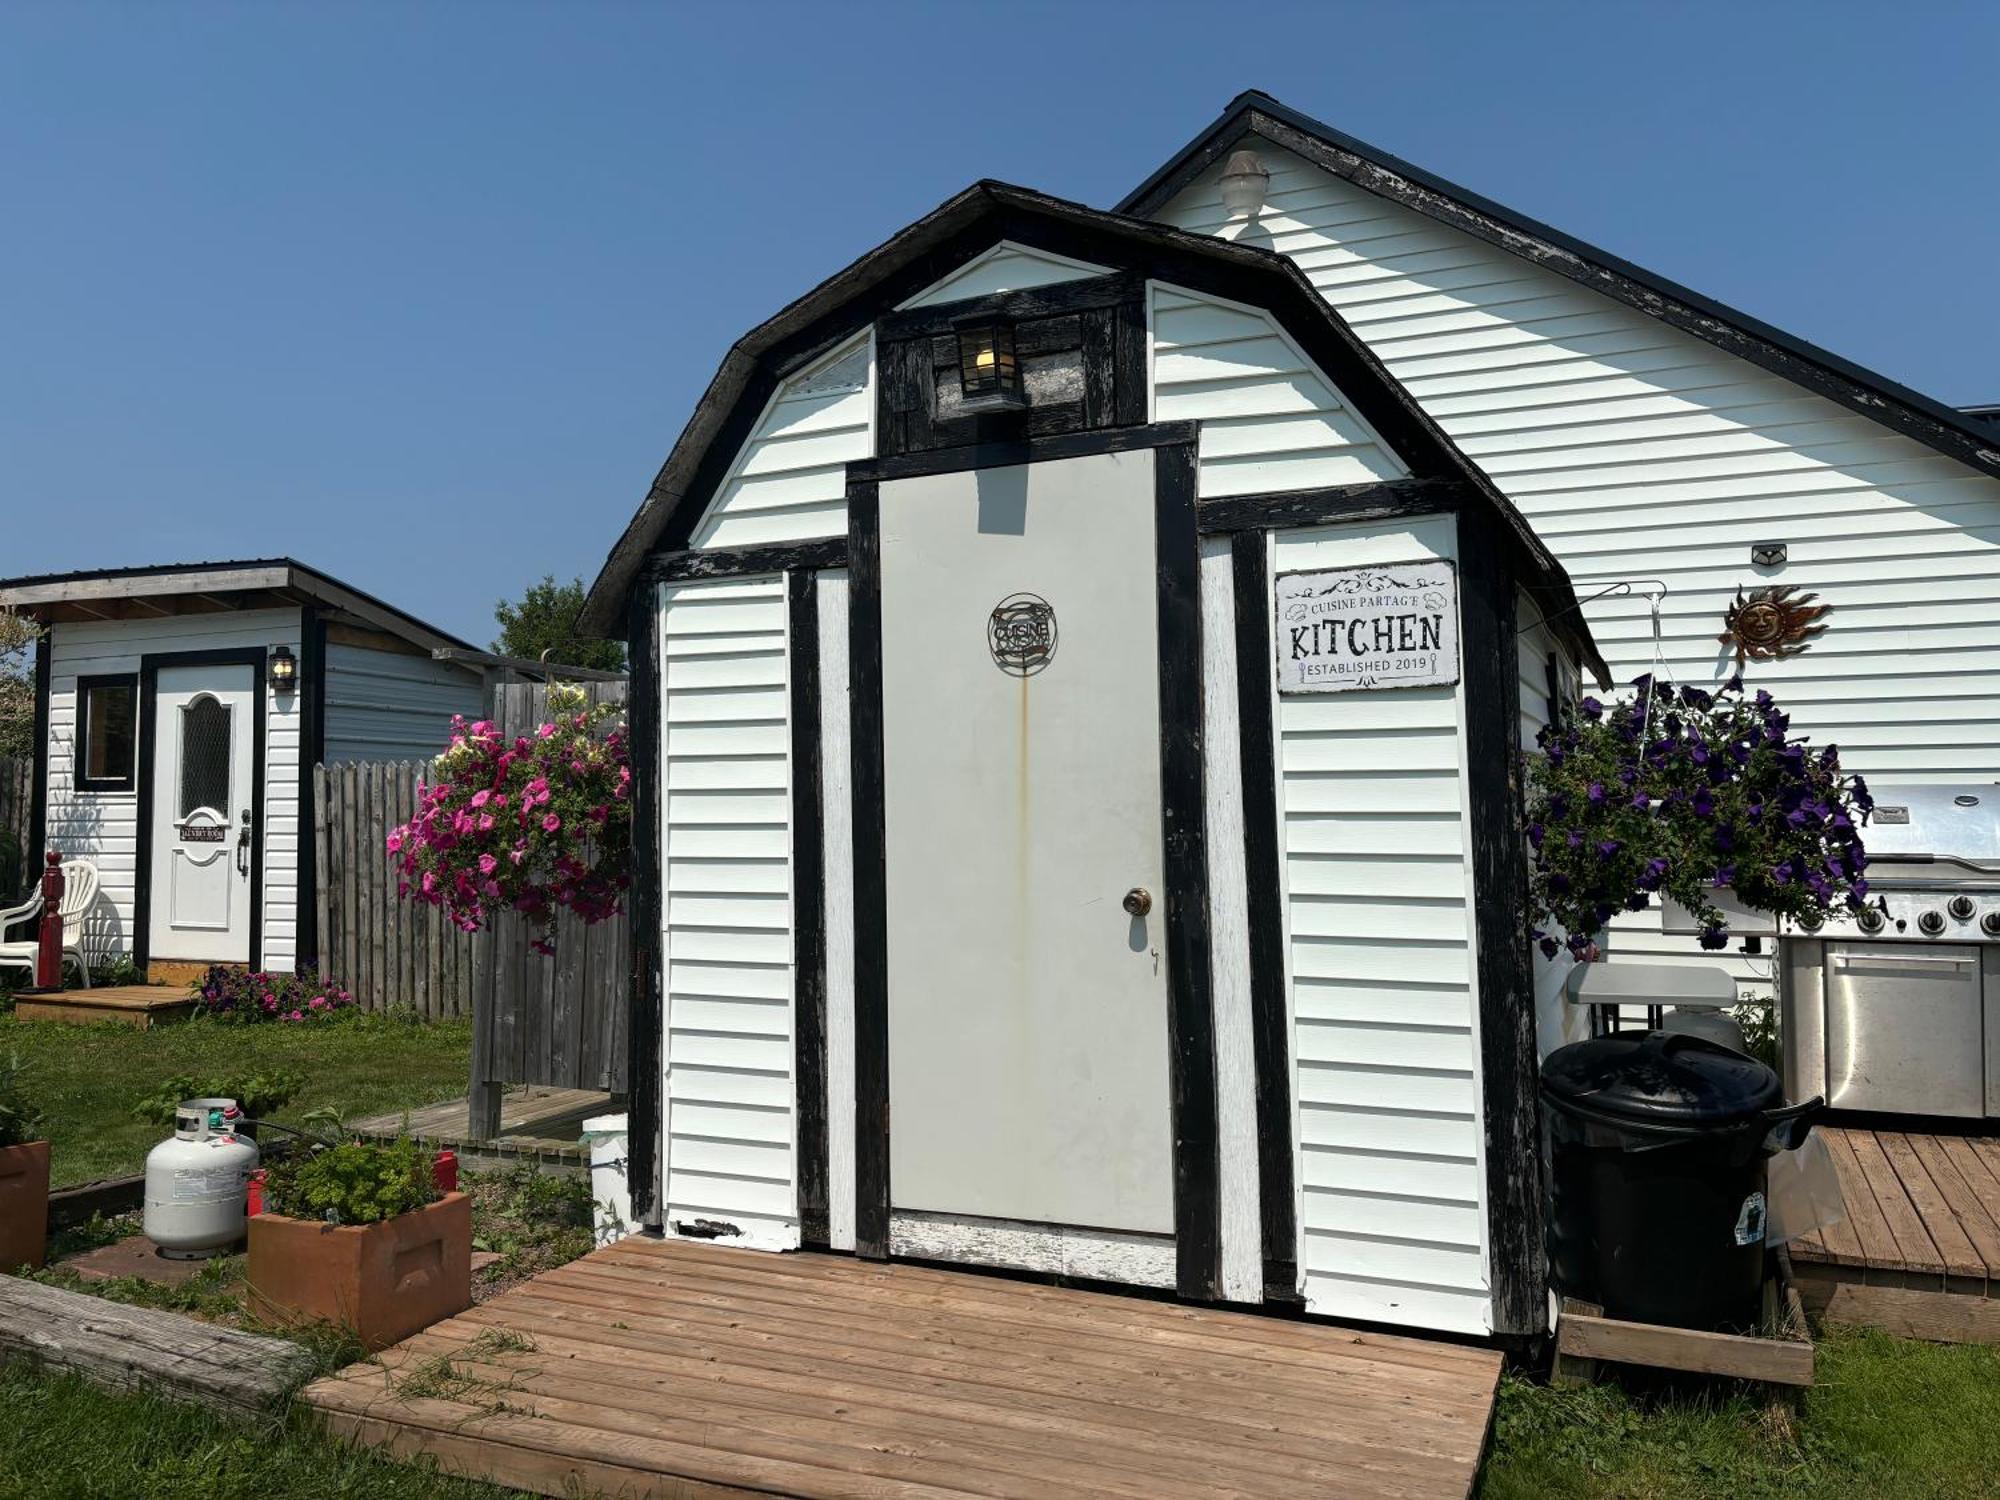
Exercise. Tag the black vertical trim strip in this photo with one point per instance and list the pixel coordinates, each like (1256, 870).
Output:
(38, 804)
(808, 907)
(1505, 970)
(254, 657)
(643, 1157)
(1191, 1029)
(1263, 875)
(871, 896)
(312, 750)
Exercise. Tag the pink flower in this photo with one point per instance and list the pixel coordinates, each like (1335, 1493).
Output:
(551, 823)
(488, 864)
(297, 1015)
(485, 821)
(545, 731)
(318, 1002)
(395, 840)
(481, 798)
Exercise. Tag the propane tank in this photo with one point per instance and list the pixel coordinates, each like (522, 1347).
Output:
(197, 1182)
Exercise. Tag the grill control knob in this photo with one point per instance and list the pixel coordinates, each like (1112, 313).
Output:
(1932, 923)
(1961, 907)
(1870, 920)
(1990, 923)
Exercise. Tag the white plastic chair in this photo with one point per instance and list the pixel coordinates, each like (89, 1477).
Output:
(79, 896)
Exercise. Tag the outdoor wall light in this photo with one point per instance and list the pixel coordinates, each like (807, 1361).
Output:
(1245, 181)
(1768, 554)
(989, 376)
(284, 669)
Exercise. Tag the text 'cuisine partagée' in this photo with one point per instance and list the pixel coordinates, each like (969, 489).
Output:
(1339, 633)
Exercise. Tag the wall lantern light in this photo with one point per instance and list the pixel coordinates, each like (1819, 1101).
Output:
(284, 670)
(989, 376)
(1768, 554)
(1245, 181)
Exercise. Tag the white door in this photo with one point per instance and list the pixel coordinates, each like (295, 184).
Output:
(203, 754)
(1028, 1049)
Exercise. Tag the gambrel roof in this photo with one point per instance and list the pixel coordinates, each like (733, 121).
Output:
(962, 228)
(1959, 434)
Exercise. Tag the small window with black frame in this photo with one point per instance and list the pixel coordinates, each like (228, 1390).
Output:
(107, 733)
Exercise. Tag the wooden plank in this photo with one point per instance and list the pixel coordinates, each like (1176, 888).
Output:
(350, 936)
(1961, 1199)
(1919, 1252)
(1915, 1313)
(321, 956)
(1979, 1175)
(1934, 1212)
(1864, 1214)
(142, 1349)
(1739, 1356)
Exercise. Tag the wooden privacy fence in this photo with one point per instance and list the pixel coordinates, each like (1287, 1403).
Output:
(17, 798)
(558, 1020)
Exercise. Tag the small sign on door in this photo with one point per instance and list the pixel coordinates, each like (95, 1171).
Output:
(201, 833)
(1348, 629)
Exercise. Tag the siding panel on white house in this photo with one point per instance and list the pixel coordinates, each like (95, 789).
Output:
(1006, 267)
(727, 938)
(1640, 451)
(103, 826)
(1379, 943)
(390, 705)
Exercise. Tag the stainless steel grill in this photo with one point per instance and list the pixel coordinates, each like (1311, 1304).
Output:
(1897, 1009)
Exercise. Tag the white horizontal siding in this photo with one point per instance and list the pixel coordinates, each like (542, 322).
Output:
(103, 826)
(390, 705)
(725, 757)
(1270, 418)
(1007, 267)
(789, 482)
(1379, 944)
(1637, 450)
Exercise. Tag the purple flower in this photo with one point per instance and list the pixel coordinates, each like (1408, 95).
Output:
(1595, 793)
(1591, 708)
(1640, 801)
(1536, 833)
(1712, 937)
(1550, 947)
(1703, 803)
(1606, 848)
(1558, 883)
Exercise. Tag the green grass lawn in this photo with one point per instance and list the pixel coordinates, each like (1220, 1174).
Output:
(1888, 1420)
(86, 1079)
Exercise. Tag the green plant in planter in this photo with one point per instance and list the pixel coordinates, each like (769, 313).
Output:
(361, 1182)
(20, 1121)
(1682, 792)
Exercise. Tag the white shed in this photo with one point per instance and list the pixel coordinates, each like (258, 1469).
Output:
(1077, 701)
(180, 711)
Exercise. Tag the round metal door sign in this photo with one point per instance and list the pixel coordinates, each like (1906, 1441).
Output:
(1021, 633)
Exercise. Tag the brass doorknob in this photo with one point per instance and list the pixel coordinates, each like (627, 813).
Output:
(1138, 901)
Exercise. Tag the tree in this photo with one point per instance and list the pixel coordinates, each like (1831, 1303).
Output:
(545, 620)
(17, 685)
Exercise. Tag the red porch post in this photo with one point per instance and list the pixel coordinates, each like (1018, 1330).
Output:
(48, 958)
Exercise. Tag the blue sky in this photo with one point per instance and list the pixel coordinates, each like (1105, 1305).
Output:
(423, 293)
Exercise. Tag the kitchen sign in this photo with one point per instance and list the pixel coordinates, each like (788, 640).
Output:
(1344, 630)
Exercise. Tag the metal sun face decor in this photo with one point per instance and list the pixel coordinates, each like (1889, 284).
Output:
(1021, 634)
(1773, 623)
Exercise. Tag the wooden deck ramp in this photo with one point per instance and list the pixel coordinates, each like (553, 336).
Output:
(657, 1369)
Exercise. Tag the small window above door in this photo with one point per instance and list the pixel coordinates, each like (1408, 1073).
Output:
(107, 724)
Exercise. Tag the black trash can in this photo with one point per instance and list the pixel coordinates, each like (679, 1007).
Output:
(1653, 1146)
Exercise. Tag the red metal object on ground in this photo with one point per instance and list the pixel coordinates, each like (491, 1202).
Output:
(444, 1171)
(255, 1194)
(48, 958)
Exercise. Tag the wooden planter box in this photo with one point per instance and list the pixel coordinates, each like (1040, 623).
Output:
(385, 1281)
(24, 1205)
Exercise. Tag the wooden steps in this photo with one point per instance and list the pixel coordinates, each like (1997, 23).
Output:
(135, 1005)
(655, 1368)
(1919, 1251)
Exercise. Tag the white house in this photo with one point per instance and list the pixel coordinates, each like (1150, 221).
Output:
(1078, 699)
(1653, 436)
(180, 710)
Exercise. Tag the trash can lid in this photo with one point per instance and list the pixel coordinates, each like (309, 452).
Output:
(1661, 1077)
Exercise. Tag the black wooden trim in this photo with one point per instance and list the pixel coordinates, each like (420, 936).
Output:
(1263, 868)
(1107, 290)
(871, 895)
(643, 1156)
(253, 657)
(1504, 969)
(1946, 429)
(808, 907)
(1025, 451)
(311, 692)
(83, 730)
(1191, 1017)
(1377, 500)
(734, 562)
(38, 797)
